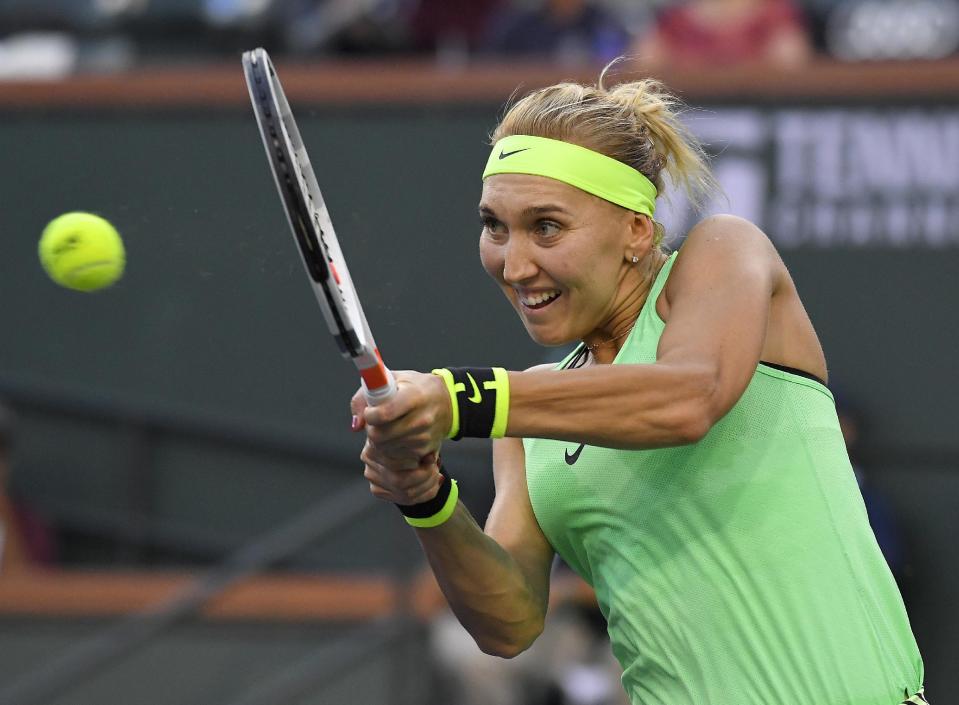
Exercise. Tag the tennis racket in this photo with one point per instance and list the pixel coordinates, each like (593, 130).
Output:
(312, 230)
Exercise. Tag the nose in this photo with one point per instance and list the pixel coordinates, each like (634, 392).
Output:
(519, 264)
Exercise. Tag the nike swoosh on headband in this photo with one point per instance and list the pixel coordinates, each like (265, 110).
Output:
(503, 155)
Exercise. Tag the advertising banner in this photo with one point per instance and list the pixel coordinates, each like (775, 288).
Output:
(834, 177)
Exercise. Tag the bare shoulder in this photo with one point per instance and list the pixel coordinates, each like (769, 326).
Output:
(726, 247)
(726, 231)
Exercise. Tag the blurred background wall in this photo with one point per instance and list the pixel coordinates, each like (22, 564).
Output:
(155, 427)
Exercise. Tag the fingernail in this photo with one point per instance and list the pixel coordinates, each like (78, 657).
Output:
(355, 423)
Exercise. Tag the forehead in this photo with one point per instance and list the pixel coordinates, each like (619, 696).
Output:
(507, 192)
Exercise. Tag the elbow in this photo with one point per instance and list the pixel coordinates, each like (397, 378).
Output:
(501, 649)
(696, 415)
(693, 428)
(508, 646)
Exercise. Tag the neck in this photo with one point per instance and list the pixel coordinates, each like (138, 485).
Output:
(607, 340)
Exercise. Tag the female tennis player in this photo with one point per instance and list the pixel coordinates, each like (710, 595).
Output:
(685, 459)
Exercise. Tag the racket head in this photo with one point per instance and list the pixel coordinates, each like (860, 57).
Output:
(310, 222)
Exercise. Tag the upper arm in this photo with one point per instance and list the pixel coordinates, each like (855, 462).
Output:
(719, 294)
(511, 522)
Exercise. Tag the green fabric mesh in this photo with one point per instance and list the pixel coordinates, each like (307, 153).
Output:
(740, 570)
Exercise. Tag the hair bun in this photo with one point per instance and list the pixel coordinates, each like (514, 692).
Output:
(636, 122)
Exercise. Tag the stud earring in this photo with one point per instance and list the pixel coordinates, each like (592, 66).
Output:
(635, 259)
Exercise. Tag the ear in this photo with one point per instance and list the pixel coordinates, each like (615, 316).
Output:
(639, 239)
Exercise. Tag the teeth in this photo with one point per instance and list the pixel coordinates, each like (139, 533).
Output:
(536, 299)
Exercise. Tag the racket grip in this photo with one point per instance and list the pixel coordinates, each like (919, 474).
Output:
(379, 384)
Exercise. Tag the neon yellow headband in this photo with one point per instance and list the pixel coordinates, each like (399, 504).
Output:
(577, 166)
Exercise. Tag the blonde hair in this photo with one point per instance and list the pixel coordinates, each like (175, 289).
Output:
(636, 123)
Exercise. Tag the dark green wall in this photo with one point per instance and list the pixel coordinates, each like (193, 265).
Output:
(214, 315)
(214, 318)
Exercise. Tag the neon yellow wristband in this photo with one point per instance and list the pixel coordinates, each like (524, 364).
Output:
(501, 416)
(442, 515)
(577, 166)
(447, 377)
(475, 413)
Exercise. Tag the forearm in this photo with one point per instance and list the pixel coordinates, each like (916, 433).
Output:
(617, 406)
(484, 585)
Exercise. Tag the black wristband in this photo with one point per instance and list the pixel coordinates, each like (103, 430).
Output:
(476, 403)
(426, 509)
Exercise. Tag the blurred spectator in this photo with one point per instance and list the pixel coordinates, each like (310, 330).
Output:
(568, 31)
(38, 55)
(726, 32)
(343, 26)
(26, 540)
(880, 30)
(882, 518)
(448, 27)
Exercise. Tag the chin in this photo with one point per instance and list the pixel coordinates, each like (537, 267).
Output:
(549, 339)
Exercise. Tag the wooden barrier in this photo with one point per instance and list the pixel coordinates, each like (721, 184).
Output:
(273, 597)
(270, 597)
(417, 82)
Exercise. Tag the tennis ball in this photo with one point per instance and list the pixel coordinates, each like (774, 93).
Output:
(82, 251)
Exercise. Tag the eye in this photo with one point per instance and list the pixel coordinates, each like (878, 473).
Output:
(492, 227)
(547, 229)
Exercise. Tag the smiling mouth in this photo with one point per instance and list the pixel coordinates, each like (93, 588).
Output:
(536, 302)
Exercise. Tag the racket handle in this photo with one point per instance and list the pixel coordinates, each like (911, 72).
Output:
(379, 384)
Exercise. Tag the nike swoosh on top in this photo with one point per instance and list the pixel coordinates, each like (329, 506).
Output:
(503, 155)
(475, 397)
(571, 458)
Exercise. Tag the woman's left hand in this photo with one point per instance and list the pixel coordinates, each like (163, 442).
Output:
(409, 426)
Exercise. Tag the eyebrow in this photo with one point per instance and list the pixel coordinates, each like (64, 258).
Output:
(530, 210)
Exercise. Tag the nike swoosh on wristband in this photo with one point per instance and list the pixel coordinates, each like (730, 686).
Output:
(571, 458)
(475, 397)
(503, 155)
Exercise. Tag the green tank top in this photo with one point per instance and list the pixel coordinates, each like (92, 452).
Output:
(741, 569)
